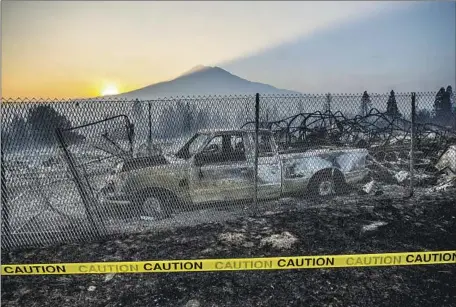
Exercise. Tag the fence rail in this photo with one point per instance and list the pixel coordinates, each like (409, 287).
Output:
(82, 169)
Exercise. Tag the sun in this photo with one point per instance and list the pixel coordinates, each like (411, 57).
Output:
(110, 90)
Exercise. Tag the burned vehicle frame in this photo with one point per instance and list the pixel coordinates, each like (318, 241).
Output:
(219, 166)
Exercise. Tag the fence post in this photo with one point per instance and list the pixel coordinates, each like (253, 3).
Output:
(257, 125)
(6, 230)
(412, 144)
(82, 192)
(149, 135)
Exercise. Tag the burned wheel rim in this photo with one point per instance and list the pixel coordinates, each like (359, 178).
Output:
(326, 184)
(153, 207)
(326, 187)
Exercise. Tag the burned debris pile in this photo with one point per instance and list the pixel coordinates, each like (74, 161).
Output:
(388, 139)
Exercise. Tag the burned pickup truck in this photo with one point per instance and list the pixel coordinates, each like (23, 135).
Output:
(219, 166)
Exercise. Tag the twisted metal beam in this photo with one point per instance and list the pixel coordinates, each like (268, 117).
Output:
(376, 131)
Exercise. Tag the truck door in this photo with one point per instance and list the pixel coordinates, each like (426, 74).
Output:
(269, 167)
(221, 171)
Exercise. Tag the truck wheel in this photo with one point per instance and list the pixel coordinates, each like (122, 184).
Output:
(156, 207)
(325, 184)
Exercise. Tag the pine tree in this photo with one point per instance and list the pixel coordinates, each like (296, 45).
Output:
(269, 114)
(423, 116)
(452, 105)
(450, 95)
(139, 121)
(201, 119)
(42, 120)
(274, 113)
(187, 120)
(448, 118)
(15, 134)
(439, 106)
(391, 108)
(366, 104)
(168, 123)
(137, 111)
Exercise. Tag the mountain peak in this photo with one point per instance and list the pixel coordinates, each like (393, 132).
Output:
(196, 69)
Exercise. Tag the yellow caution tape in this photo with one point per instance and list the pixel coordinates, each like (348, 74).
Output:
(238, 264)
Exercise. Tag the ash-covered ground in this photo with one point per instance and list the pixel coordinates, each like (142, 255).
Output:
(425, 222)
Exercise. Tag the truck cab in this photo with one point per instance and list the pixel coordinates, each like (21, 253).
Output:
(223, 169)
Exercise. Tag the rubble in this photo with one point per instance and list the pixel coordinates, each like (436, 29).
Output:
(279, 241)
(445, 171)
(91, 288)
(447, 182)
(232, 238)
(448, 160)
(109, 277)
(372, 188)
(444, 187)
(402, 176)
(193, 303)
(373, 226)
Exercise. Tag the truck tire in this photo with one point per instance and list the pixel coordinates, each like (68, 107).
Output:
(157, 206)
(326, 183)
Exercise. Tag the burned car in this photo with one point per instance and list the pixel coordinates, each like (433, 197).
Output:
(219, 166)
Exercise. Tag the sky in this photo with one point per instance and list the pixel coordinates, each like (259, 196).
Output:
(79, 49)
(410, 48)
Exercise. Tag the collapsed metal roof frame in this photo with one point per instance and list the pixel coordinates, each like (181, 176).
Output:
(375, 130)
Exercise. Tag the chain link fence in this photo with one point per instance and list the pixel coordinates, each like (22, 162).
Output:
(86, 169)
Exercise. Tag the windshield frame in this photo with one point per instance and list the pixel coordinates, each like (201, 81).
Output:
(184, 151)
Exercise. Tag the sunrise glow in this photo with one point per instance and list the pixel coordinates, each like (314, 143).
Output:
(110, 90)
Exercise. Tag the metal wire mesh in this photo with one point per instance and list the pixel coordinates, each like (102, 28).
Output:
(83, 169)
